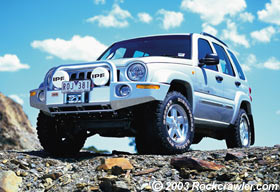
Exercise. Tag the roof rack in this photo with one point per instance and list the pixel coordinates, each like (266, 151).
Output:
(209, 35)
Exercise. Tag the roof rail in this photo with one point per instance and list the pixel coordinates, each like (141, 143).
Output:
(209, 35)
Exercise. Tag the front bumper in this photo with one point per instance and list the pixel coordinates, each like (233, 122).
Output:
(99, 99)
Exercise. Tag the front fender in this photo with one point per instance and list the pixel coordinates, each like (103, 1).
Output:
(167, 76)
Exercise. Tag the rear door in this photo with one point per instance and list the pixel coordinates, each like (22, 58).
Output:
(208, 87)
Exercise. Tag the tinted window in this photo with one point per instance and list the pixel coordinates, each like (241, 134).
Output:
(203, 49)
(237, 65)
(224, 61)
(178, 46)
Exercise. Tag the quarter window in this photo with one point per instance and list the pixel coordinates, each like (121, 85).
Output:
(204, 48)
(224, 61)
(237, 65)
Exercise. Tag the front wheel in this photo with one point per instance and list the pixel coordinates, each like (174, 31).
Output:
(55, 139)
(240, 135)
(169, 126)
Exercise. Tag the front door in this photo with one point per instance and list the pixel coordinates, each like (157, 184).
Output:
(208, 88)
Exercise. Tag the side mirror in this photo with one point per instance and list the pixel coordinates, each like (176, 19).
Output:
(209, 59)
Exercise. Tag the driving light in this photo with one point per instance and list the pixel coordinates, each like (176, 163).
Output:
(124, 90)
(58, 77)
(136, 72)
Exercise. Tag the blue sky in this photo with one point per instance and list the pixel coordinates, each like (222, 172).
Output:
(36, 35)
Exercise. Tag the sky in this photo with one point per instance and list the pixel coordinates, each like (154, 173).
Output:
(36, 35)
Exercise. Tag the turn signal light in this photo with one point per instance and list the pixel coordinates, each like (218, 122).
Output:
(32, 93)
(147, 86)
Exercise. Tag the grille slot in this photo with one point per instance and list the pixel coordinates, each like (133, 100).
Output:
(81, 75)
(74, 109)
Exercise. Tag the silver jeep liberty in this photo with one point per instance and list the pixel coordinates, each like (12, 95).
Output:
(167, 91)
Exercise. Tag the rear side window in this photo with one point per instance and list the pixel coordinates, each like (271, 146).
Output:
(224, 61)
(203, 49)
(237, 65)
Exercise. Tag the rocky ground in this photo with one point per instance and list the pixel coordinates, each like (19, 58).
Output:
(37, 171)
(16, 131)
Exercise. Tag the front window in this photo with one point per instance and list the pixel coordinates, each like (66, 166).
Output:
(178, 46)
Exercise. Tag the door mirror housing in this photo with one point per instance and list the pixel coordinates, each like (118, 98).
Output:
(209, 59)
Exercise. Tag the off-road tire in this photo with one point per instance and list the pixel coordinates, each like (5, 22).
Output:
(56, 142)
(233, 139)
(154, 137)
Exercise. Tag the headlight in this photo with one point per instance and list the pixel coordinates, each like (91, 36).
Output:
(136, 72)
(41, 96)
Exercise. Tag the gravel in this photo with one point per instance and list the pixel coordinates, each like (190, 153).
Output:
(41, 172)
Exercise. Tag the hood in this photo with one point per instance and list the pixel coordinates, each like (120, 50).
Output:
(148, 60)
(125, 61)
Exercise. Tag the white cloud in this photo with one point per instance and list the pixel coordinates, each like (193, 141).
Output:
(247, 17)
(10, 62)
(145, 17)
(117, 17)
(49, 57)
(278, 112)
(264, 35)
(271, 13)
(272, 63)
(78, 48)
(16, 98)
(214, 11)
(171, 19)
(231, 34)
(251, 61)
(209, 29)
(99, 2)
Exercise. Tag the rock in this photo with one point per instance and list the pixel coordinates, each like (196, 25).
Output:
(238, 156)
(225, 177)
(111, 162)
(193, 163)
(106, 185)
(65, 179)
(9, 182)
(109, 177)
(16, 130)
(53, 176)
(146, 171)
(81, 185)
(4, 161)
(116, 170)
(121, 186)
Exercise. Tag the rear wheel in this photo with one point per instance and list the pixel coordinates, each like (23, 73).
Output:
(240, 135)
(55, 139)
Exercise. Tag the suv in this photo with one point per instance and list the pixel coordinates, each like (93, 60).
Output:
(167, 91)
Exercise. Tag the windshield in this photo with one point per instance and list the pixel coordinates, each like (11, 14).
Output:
(178, 46)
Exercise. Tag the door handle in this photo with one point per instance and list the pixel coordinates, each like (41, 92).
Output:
(219, 78)
(237, 83)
